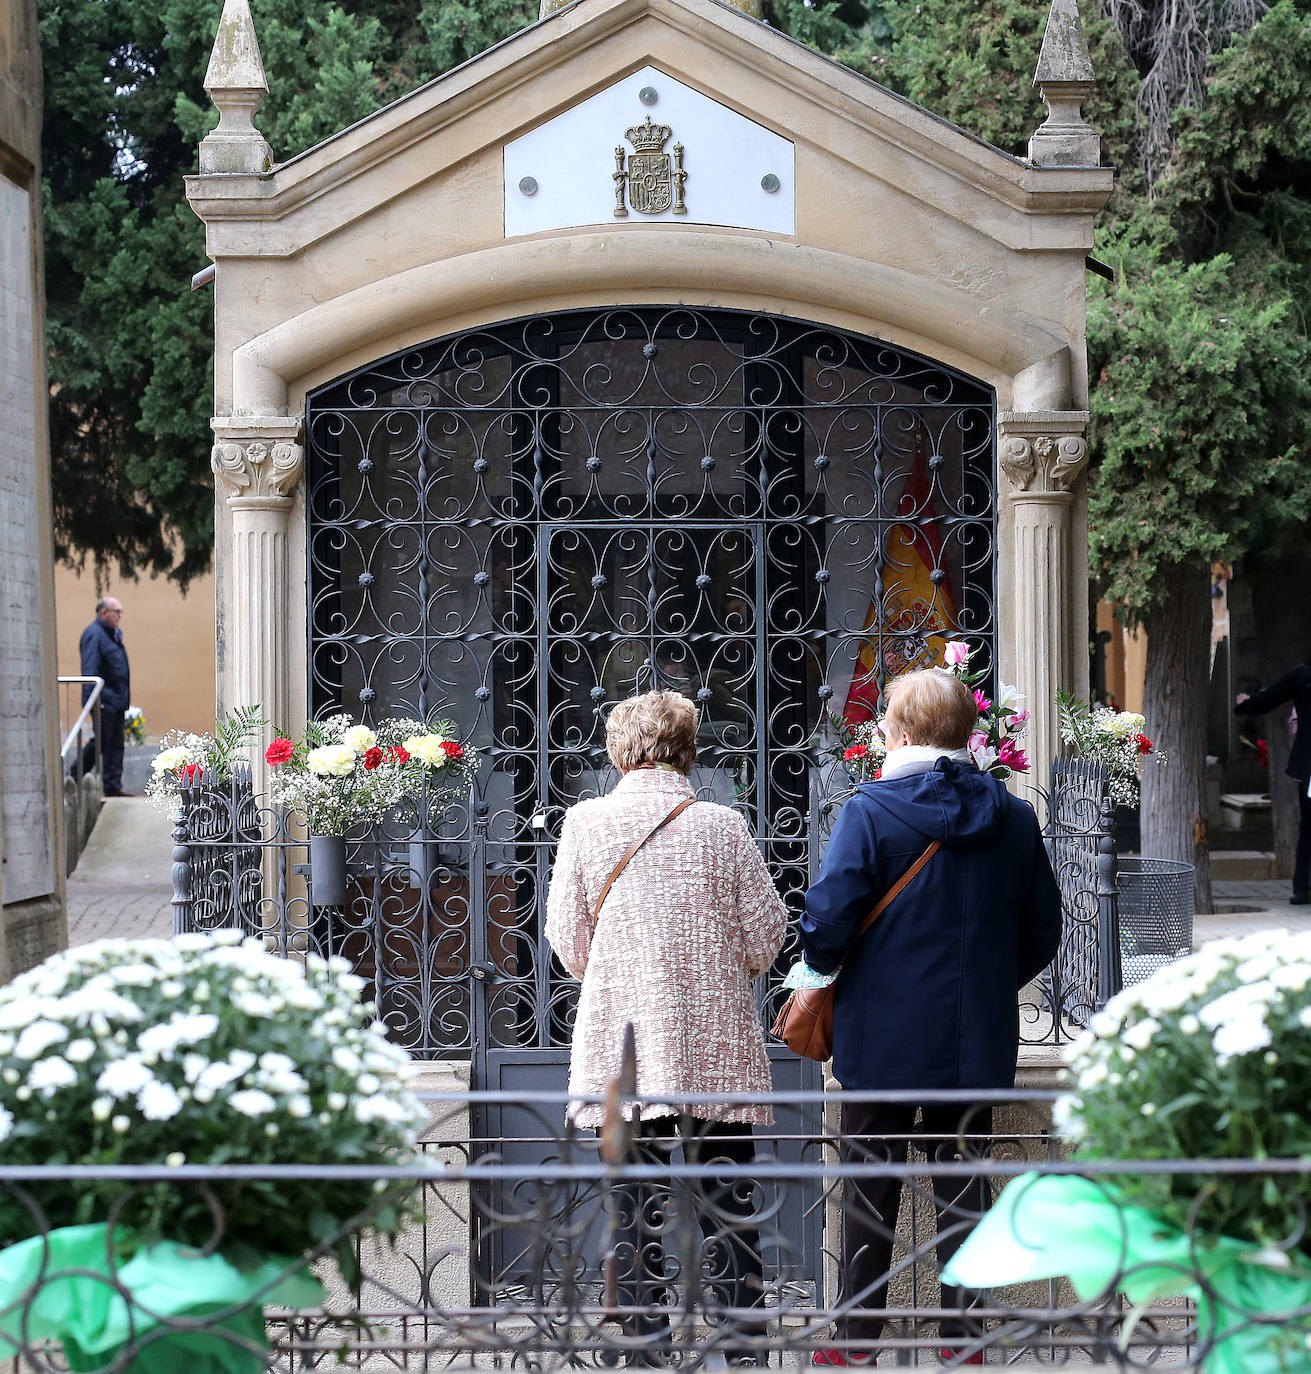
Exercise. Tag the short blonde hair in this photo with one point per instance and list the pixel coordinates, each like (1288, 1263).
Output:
(932, 706)
(656, 727)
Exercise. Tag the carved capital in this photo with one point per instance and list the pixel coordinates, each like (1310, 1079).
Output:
(258, 460)
(1043, 452)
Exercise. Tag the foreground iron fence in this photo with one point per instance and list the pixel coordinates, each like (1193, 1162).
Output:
(568, 1248)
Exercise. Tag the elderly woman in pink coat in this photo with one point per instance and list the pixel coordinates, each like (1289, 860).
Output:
(685, 926)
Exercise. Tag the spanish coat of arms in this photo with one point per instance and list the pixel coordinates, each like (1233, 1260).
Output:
(653, 180)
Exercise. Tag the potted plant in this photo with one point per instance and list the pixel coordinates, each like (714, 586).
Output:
(203, 1050)
(1205, 1060)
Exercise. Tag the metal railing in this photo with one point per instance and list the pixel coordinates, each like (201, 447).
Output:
(80, 765)
(561, 1247)
(446, 927)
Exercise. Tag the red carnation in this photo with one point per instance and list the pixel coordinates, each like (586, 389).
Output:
(1144, 745)
(279, 751)
(1263, 753)
(372, 757)
(190, 773)
(878, 773)
(454, 752)
(857, 751)
(400, 753)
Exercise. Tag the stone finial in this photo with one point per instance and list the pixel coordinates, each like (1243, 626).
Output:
(236, 84)
(1065, 78)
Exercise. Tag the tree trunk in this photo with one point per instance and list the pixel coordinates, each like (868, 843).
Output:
(1174, 702)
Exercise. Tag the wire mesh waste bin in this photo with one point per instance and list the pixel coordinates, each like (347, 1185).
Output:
(1156, 914)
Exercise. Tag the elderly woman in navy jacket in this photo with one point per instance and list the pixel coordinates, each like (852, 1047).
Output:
(927, 998)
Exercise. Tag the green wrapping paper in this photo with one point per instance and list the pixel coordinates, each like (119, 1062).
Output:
(80, 1302)
(1253, 1306)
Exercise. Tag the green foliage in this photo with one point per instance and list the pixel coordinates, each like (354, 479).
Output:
(130, 361)
(1201, 388)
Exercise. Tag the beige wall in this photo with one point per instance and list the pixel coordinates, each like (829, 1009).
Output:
(169, 639)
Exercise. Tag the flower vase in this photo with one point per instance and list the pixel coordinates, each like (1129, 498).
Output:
(421, 861)
(328, 870)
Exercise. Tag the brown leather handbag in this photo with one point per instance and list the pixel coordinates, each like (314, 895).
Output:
(805, 1021)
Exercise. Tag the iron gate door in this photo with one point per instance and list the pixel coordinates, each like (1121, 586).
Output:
(519, 525)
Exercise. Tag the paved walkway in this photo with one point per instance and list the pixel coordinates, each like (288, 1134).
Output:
(123, 884)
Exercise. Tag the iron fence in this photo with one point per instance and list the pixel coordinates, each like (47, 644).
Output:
(618, 1247)
(444, 923)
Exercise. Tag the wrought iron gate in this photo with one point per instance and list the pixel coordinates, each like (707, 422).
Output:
(518, 525)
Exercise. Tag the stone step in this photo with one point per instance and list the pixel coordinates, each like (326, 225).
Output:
(1242, 865)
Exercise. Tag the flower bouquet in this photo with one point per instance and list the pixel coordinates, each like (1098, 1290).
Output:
(995, 744)
(1114, 739)
(343, 774)
(134, 725)
(205, 1050)
(1209, 1059)
(187, 760)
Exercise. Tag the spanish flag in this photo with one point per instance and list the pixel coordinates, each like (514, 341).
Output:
(916, 618)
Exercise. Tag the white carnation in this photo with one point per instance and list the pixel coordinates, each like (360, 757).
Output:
(170, 760)
(428, 750)
(331, 761)
(359, 738)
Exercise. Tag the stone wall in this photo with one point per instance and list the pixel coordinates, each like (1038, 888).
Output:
(31, 811)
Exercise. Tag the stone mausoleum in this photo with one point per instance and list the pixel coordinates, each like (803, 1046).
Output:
(648, 348)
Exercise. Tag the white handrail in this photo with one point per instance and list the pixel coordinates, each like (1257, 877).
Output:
(75, 734)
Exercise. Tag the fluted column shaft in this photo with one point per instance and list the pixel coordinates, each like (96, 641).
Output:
(1044, 454)
(258, 464)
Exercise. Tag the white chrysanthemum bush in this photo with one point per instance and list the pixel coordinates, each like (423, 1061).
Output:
(201, 1050)
(1210, 1058)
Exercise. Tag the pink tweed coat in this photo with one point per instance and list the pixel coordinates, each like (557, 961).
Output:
(688, 924)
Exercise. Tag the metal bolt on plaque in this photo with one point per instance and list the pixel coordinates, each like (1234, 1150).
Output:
(652, 179)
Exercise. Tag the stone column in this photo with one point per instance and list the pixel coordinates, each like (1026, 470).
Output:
(258, 463)
(1043, 452)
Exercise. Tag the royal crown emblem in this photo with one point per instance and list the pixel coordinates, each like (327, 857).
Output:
(652, 179)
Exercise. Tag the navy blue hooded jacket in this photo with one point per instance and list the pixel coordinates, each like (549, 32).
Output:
(927, 998)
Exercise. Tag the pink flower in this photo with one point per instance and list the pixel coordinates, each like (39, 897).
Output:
(1013, 757)
(981, 701)
(955, 654)
(1017, 723)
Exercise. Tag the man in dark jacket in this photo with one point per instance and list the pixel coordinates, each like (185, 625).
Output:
(928, 996)
(103, 655)
(1293, 688)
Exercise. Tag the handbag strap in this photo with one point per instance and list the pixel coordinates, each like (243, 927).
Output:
(892, 894)
(631, 850)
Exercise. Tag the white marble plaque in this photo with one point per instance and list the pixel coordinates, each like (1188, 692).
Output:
(25, 820)
(738, 173)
